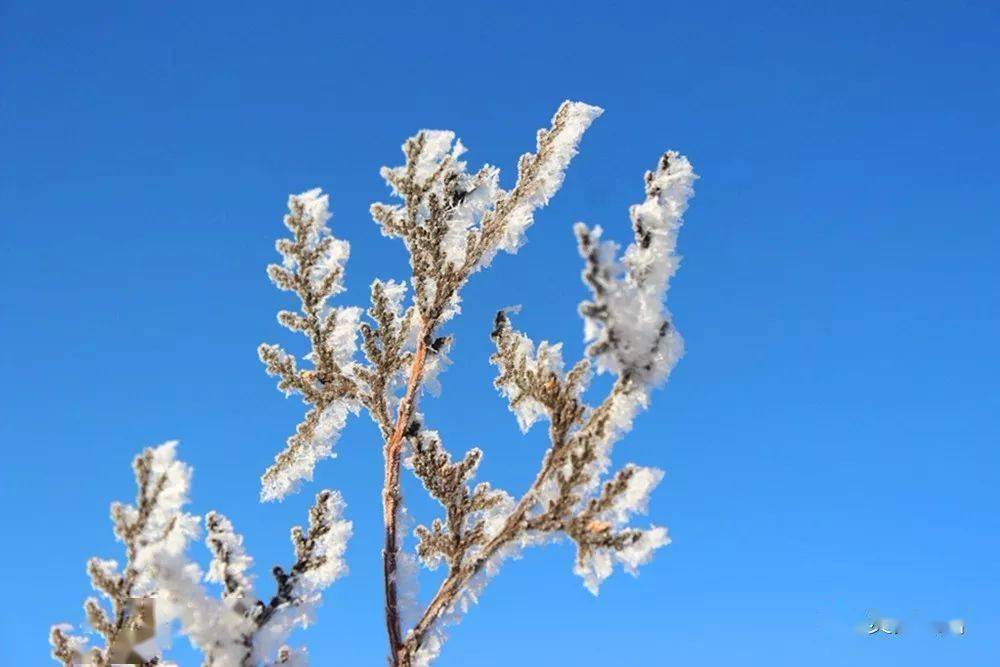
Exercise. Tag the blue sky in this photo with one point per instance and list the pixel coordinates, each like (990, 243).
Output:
(830, 439)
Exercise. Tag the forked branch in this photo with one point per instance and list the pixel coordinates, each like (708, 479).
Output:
(453, 223)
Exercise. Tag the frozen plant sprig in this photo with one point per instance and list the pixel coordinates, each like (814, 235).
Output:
(239, 629)
(160, 586)
(453, 223)
(155, 526)
(312, 267)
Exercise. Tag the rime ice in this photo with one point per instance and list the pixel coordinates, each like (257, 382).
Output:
(383, 360)
(231, 629)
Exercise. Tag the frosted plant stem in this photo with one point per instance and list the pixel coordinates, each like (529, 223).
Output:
(391, 499)
(453, 222)
(453, 585)
(456, 581)
(514, 525)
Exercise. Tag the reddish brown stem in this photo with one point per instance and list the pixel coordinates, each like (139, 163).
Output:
(391, 498)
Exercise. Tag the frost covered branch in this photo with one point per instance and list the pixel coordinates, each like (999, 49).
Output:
(312, 268)
(452, 223)
(160, 587)
(152, 529)
(380, 360)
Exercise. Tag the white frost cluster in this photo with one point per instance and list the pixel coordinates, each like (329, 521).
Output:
(330, 422)
(330, 547)
(164, 536)
(211, 625)
(439, 145)
(168, 529)
(551, 171)
(434, 363)
(164, 571)
(219, 627)
(237, 563)
(481, 191)
(635, 498)
(547, 359)
(343, 342)
(76, 643)
(598, 564)
(341, 345)
(478, 194)
(316, 206)
(395, 294)
(632, 336)
(631, 329)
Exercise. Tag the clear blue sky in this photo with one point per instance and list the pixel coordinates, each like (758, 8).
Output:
(830, 439)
